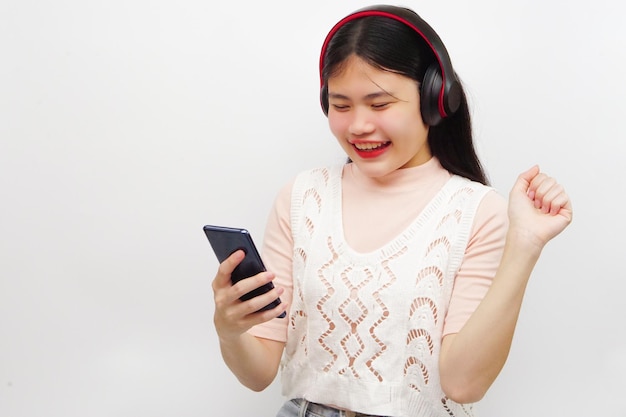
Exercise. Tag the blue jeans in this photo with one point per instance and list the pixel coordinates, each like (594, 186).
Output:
(303, 408)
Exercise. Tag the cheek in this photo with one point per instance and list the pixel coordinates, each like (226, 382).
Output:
(338, 124)
(400, 125)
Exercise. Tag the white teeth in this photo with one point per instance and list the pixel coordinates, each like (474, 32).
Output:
(368, 146)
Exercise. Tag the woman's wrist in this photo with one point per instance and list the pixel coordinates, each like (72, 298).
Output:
(522, 241)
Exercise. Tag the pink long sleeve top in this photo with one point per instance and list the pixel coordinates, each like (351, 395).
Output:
(374, 212)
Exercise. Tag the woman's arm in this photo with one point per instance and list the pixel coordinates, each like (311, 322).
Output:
(470, 360)
(253, 360)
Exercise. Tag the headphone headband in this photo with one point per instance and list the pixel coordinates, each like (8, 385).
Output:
(447, 96)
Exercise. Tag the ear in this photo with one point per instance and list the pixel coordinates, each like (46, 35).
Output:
(324, 99)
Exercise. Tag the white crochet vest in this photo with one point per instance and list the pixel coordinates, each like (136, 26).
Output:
(365, 329)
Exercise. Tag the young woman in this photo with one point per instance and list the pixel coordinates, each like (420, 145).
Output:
(402, 272)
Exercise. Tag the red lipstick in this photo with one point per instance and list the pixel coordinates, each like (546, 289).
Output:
(371, 153)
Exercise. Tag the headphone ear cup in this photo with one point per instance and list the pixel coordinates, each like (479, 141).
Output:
(324, 99)
(429, 96)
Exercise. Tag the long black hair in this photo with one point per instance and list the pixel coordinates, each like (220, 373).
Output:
(390, 45)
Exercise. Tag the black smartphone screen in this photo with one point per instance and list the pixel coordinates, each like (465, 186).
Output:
(227, 240)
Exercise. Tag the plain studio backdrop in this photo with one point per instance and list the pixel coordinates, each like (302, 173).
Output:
(125, 126)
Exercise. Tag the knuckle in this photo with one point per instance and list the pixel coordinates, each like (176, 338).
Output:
(242, 288)
(224, 268)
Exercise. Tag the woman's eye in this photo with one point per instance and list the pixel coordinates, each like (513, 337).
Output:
(379, 106)
(340, 107)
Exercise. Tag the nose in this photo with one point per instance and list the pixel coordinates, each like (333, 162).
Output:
(361, 123)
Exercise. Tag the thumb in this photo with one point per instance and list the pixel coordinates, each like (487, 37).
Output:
(227, 267)
(525, 178)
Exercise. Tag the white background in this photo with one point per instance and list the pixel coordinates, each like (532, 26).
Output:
(125, 126)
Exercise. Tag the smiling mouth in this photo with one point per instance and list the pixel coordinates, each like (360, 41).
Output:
(370, 147)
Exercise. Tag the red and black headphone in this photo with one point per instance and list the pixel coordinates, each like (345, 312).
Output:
(440, 91)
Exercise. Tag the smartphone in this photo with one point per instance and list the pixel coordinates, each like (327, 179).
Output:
(227, 240)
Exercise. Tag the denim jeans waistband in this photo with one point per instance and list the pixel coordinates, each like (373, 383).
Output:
(327, 411)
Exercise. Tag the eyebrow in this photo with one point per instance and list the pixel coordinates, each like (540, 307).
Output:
(371, 96)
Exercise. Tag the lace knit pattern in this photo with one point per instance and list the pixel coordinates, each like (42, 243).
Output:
(365, 329)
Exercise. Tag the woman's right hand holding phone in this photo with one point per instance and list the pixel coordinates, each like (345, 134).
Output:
(232, 316)
(254, 361)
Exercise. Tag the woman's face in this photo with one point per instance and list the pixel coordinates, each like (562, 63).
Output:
(375, 116)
